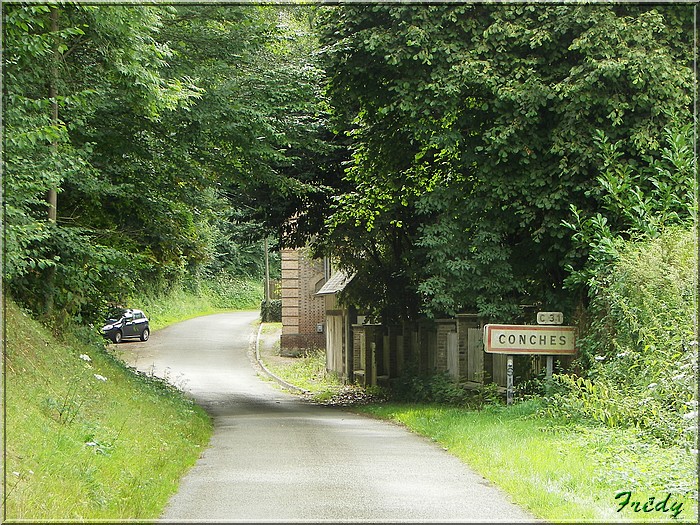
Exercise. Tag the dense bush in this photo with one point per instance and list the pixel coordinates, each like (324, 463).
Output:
(232, 292)
(195, 297)
(440, 388)
(639, 344)
(271, 311)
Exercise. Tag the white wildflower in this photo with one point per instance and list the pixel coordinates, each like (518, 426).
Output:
(600, 358)
(85, 357)
(691, 415)
(99, 377)
(622, 354)
(90, 444)
(652, 385)
(678, 377)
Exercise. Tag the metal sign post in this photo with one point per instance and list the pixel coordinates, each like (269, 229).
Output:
(552, 318)
(550, 367)
(509, 380)
(547, 338)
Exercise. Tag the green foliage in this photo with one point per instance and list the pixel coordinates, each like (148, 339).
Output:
(638, 200)
(86, 276)
(472, 130)
(184, 300)
(271, 311)
(260, 125)
(232, 293)
(640, 342)
(442, 390)
(87, 439)
(63, 66)
(170, 135)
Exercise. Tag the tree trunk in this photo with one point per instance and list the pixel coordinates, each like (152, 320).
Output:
(52, 197)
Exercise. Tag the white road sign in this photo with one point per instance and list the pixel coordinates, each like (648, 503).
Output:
(550, 318)
(529, 339)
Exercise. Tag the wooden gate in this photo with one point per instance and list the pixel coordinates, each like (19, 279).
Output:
(475, 355)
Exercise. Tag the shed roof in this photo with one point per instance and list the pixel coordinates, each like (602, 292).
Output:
(337, 282)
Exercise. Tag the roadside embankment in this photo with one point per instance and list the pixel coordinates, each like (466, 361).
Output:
(306, 374)
(86, 437)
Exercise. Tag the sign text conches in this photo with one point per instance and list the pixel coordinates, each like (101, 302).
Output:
(527, 339)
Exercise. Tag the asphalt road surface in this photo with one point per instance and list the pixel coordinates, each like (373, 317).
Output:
(277, 458)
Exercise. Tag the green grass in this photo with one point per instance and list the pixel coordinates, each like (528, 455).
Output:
(559, 473)
(558, 470)
(209, 298)
(308, 372)
(89, 440)
(271, 328)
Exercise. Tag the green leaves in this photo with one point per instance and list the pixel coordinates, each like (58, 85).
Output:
(474, 130)
(640, 340)
(175, 137)
(640, 201)
(93, 59)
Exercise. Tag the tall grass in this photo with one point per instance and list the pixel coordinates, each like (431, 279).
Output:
(640, 343)
(87, 438)
(203, 297)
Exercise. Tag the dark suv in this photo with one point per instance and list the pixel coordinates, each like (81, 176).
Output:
(126, 323)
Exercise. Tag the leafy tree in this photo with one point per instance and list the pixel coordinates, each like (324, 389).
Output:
(259, 126)
(89, 57)
(176, 137)
(474, 128)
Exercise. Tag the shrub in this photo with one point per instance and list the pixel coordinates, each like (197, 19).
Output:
(271, 311)
(640, 342)
(442, 389)
(232, 292)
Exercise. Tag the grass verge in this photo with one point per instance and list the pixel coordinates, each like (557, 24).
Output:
(558, 472)
(308, 372)
(86, 437)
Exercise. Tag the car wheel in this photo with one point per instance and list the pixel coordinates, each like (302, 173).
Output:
(118, 337)
(145, 334)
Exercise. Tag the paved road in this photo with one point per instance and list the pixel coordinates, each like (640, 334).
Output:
(274, 457)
